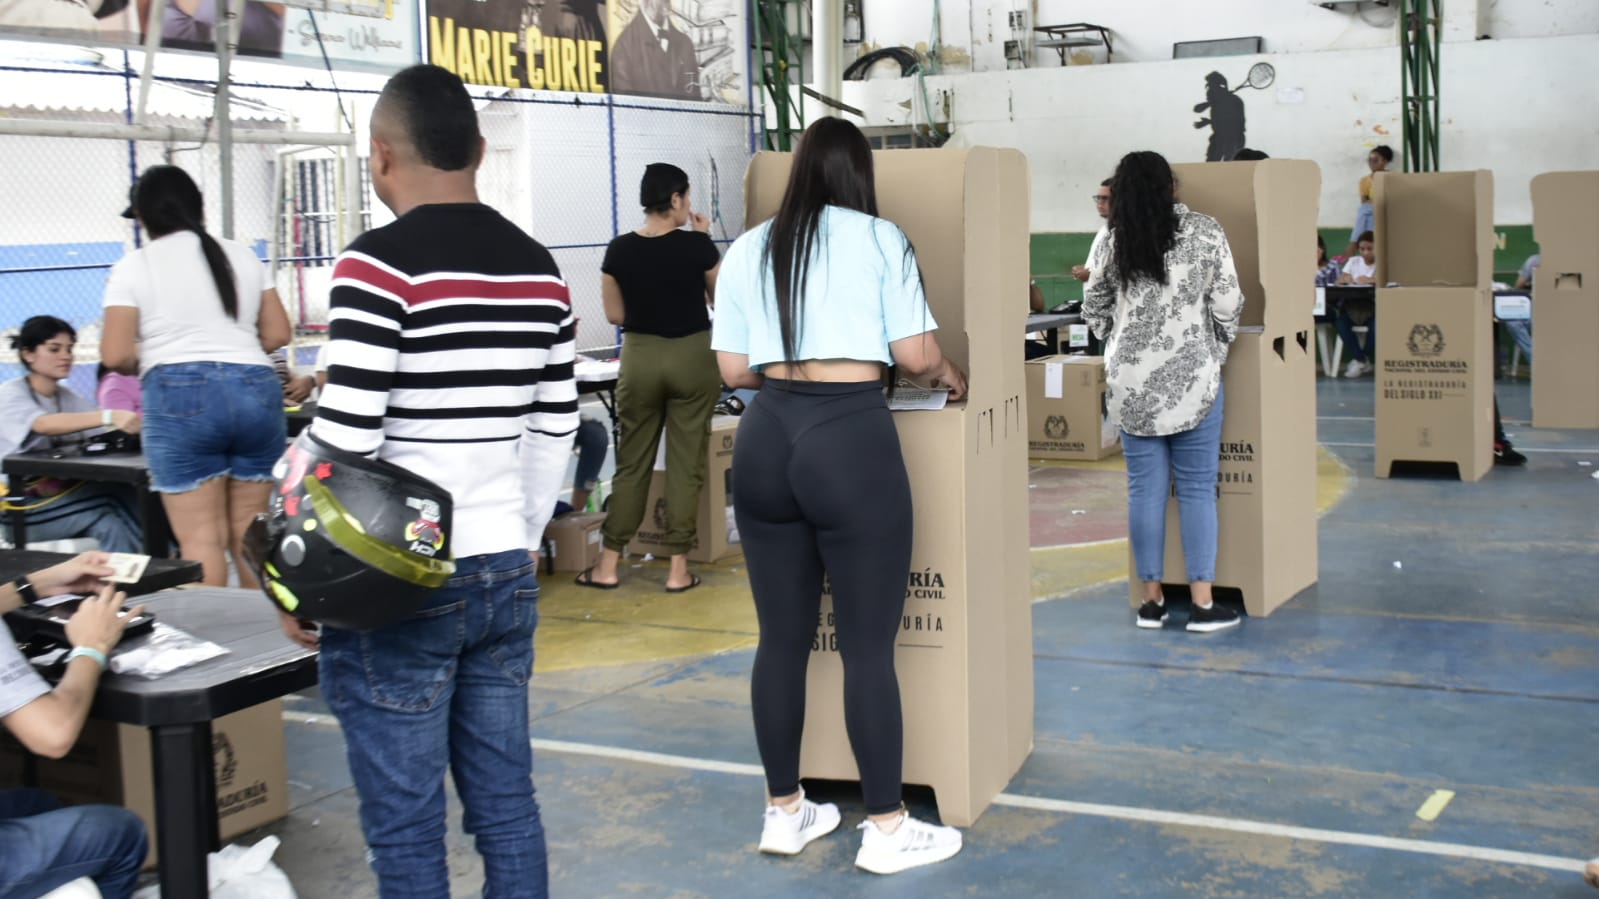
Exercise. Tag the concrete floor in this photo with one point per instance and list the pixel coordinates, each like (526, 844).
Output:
(1302, 744)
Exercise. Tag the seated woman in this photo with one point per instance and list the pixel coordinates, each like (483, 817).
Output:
(38, 412)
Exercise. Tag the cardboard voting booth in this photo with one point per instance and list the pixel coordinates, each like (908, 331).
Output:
(575, 541)
(1066, 415)
(1266, 483)
(1565, 300)
(964, 654)
(1435, 327)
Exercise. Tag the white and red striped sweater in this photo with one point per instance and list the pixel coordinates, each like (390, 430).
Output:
(450, 352)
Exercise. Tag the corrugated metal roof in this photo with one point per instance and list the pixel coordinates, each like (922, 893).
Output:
(76, 80)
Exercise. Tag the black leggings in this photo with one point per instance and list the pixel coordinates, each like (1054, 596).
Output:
(819, 485)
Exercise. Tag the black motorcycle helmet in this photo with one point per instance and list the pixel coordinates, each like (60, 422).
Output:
(349, 541)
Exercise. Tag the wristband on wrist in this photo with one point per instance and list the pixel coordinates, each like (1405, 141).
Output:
(87, 652)
(105, 417)
(25, 590)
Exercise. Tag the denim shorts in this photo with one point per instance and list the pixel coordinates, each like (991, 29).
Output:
(204, 420)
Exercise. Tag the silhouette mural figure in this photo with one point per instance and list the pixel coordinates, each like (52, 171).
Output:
(1226, 119)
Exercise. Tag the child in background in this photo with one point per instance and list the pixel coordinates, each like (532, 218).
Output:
(117, 391)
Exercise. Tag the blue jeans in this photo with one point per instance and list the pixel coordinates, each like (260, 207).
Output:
(1194, 457)
(1346, 330)
(103, 511)
(43, 846)
(1365, 220)
(445, 690)
(1521, 330)
(204, 420)
(592, 440)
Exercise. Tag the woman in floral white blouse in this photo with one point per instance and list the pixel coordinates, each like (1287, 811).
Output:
(1165, 298)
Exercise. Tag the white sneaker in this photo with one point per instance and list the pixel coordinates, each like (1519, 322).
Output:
(915, 843)
(786, 834)
(1354, 369)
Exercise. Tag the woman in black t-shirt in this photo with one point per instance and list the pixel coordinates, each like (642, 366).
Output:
(657, 283)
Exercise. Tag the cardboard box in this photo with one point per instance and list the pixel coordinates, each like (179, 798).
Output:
(1066, 416)
(111, 764)
(714, 533)
(1435, 328)
(1266, 482)
(965, 653)
(1565, 313)
(574, 540)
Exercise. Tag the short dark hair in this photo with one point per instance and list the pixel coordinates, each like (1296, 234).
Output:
(1385, 151)
(1366, 237)
(1107, 182)
(39, 329)
(431, 107)
(1249, 155)
(661, 180)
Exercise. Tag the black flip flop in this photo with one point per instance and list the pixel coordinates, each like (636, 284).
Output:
(693, 581)
(585, 578)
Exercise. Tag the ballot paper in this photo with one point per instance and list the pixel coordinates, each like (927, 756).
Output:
(128, 567)
(905, 399)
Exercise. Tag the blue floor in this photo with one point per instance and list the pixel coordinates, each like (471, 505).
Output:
(1473, 667)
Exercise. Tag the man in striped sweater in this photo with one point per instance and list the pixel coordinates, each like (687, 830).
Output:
(450, 354)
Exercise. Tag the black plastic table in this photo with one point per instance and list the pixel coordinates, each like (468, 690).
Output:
(261, 665)
(161, 574)
(116, 468)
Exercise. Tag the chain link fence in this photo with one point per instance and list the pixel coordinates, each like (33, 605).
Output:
(563, 167)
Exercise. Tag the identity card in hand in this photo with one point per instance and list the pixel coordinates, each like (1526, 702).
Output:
(129, 567)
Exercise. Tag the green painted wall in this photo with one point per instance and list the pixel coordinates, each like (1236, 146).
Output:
(1054, 254)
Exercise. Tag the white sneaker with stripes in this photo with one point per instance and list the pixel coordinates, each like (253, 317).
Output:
(786, 834)
(913, 844)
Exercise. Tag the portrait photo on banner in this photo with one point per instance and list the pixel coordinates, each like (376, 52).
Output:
(669, 49)
(384, 39)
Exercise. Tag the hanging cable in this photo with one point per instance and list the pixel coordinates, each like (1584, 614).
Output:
(908, 61)
(328, 64)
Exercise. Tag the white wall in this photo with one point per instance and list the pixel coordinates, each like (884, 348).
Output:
(973, 32)
(1517, 107)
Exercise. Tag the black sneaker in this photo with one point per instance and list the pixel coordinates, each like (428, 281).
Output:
(1152, 614)
(1215, 618)
(1505, 454)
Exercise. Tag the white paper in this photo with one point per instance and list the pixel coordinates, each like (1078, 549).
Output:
(1077, 335)
(1054, 374)
(1321, 302)
(906, 399)
(1512, 308)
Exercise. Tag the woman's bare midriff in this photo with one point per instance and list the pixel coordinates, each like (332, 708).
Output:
(835, 370)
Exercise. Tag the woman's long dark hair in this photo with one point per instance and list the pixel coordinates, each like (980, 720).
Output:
(833, 167)
(167, 201)
(1141, 217)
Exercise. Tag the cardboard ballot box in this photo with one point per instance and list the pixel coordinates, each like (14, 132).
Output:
(575, 541)
(1066, 417)
(714, 533)
(964, 652)
(1435, 329)
(1266, 480)
(111, 764)
(1565, 314)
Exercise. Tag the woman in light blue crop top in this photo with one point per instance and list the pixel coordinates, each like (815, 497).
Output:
(811, 308)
